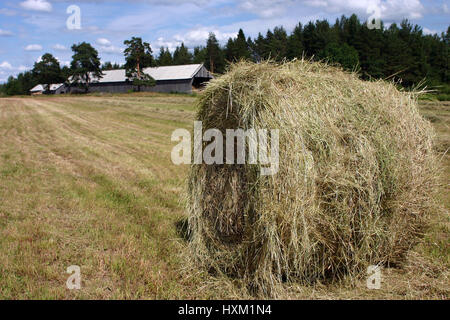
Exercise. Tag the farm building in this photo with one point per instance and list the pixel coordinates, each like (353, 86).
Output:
(180, 78)
(57, 88)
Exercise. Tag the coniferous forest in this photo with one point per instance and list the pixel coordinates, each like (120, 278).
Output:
(399, 52)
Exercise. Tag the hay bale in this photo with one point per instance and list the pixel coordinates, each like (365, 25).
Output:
(355, 181)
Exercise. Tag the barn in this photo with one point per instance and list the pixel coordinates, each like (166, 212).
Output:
(56, 88)
(180, 78)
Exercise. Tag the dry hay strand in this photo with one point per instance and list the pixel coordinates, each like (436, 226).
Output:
(355, 185)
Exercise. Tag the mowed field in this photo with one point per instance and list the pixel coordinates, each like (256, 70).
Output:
(88, 181)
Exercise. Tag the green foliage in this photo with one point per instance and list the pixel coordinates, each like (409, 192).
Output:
(199, 55)
(215, 60)
(400, 52)
(344, 55)
(18, 86)
(165, 57)
(110, 66)
(237, 48)
(27, 81)
(149, 82)
(12, 87)
(295, 43)
(85, 65)
(66, 73)
(47, 71)
(138, 55)
(181, 55)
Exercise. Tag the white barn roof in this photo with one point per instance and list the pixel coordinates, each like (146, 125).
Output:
(180, 72)
(40, 87)
(186, 71)
(112, 76)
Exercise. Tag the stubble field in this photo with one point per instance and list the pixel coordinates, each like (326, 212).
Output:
(88, 181)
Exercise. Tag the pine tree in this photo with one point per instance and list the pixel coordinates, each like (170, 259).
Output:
(278, 43)
(344, 55)
(182, 55)
(85, 65)
(199, 55)
(215, 61)
(259, 47)
(138, 55)
(165, 57)
(241, 46)
(230, 51)
(295, 43)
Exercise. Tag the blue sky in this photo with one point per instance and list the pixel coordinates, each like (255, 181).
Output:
(30, 28)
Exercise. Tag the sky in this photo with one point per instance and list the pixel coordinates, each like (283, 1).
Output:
(30, 28)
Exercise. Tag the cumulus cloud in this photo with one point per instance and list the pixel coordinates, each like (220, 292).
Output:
(6, 65)
(37, 5)
(111, 49)
(192, 38)
(162, 42)
(33, 47)
(62, 62)
(60, 47)
(5, 33)
(266, 8)
(167, 3)
(103, 42)
(392, 9)
(105, 46)
(7, 69)
(199, 35)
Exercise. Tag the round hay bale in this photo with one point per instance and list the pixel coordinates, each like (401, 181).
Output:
(354, 186)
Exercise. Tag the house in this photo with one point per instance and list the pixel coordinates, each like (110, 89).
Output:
(57, 88)
(180, 78)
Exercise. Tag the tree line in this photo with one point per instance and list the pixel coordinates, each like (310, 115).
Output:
(84, 69)
(398, 51)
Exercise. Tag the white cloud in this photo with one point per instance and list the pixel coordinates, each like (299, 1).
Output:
(103, 42)
(60, 47)
(428, 31)
(5, 33)
(6, 69)
(37, 5)
(61, 62)
(111, 49)
(161, 42)
(33, 47)
(105, 46)
(199, 35)
(388, 9)
(6, 65)
(266, 8)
